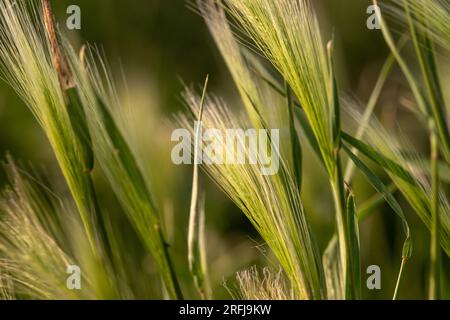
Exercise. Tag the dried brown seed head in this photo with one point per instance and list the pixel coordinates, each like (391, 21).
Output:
(59, 61)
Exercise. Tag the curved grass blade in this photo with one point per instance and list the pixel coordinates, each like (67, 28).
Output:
(378, 158)
(381, 188)
(415, 186)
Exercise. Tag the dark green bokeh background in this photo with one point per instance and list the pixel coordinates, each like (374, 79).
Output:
(164, 42)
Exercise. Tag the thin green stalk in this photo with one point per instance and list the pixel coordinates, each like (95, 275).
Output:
(435, 256)
(341, 218)
(196, 235)
(399, 278)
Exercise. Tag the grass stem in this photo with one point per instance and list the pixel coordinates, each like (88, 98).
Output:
(344, 230)
(435, 248)
(399, 278)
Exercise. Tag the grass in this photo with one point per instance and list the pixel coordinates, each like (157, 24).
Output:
(51, 69)
(76, 103)
(264, 285)
(38, 232)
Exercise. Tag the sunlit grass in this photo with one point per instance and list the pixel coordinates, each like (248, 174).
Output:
(74, 99)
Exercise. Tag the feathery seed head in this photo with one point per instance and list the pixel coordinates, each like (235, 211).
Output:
(288, 34)
(271, 203)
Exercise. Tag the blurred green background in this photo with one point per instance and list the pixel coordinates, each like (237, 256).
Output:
(157, 45)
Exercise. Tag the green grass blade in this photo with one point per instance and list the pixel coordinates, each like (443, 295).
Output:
(129, 164)
(378, 158)
(296, 146)
(354, 250)
(379, 186)
(196, 236)
(333, 101)
(79, 124)
(331, 260)
(415, 185)
(78, 119)
(309, 134)
(345, 233)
